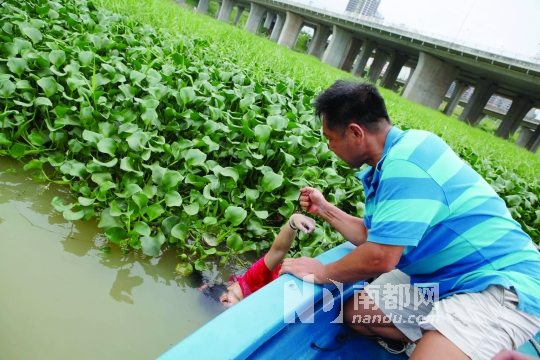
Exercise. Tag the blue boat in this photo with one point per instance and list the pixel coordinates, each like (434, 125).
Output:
(288, 319)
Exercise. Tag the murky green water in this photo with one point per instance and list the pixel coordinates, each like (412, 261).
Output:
(61, 297)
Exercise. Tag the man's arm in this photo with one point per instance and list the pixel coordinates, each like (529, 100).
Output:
(351, 227)
(285, 238)
(365, 261)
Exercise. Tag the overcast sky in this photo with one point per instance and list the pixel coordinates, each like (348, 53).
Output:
(511, 26)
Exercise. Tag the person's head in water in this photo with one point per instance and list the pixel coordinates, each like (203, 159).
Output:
(262, 271)
(221, 293)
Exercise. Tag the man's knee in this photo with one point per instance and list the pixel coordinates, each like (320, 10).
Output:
(361, 309)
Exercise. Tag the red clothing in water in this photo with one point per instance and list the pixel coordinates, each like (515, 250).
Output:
(256, 277)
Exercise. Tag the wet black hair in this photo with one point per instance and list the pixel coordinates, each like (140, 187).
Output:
(215, 291)
(346, 101)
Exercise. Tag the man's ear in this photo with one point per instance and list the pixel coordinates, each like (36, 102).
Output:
(356, 131)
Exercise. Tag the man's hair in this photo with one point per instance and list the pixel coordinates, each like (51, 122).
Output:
(215, 291)
(345, 102)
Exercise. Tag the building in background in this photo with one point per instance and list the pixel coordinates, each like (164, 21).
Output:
(364, 8)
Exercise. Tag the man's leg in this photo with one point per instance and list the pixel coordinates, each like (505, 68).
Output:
(363, 316)
(387, 308)
(434, 345)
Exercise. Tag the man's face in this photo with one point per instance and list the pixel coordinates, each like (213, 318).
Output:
(346, 146)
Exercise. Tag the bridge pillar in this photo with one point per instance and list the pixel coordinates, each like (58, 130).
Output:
(269, 19)
(278, 26)
(336, 49)
(203, 6)
(534, 141)
(254, 19)
(377, 65)
(482, 92)
(318, 43)
(367, 48)
(519, 108)
(459, 90)
(350, 54)
(524, 135)
(291, 30)
(408, 79)
(430, 81)
(397, 60)
(225, 11)
(239, 11)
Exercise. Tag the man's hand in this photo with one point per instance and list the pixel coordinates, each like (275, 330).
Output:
(312, 201)
(303, 267)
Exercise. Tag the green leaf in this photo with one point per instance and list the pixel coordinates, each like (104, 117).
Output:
(129, 191)
(33, 33)
(72, 216)
(169, 223)
(278, 122)
(136, 76)
(86, 57)
(195, 157)
(85, 201)
(235, 242)
(17, 150)
(271, 181)
(116, 234)
(192, 209)
(263, 214)
(255, 226)
(107, 146)
(49, 85)
(6, 88)
(42, 101)
(33, 164)
(142, 228)
(235, 215)
(200, 265)
(154, 211)
(16, 65)
(57, 57)
(91, 137)
(140, 199)
(184, 269)
(210, 239)
(151, 245)
(171, 179)
(108, 221)
(230, 172)
(108, 164)
(180, 231)
(59, 206)
(173, 198)
(262, 133)
(187, 94)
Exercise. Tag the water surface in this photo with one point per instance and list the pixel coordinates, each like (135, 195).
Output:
(62, 297)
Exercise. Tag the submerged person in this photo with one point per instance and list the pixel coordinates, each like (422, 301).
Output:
(432, 226)
(265, 270)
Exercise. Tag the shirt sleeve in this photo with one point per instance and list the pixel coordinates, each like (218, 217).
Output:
(406, 204)
(256, 277)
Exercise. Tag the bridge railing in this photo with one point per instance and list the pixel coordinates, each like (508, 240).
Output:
(511, 59)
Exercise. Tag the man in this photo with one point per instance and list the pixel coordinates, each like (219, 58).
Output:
(430, 221)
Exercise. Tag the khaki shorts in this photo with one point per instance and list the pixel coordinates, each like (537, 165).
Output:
(480, 324)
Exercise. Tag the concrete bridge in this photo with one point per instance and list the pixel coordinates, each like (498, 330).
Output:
(435, 64)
